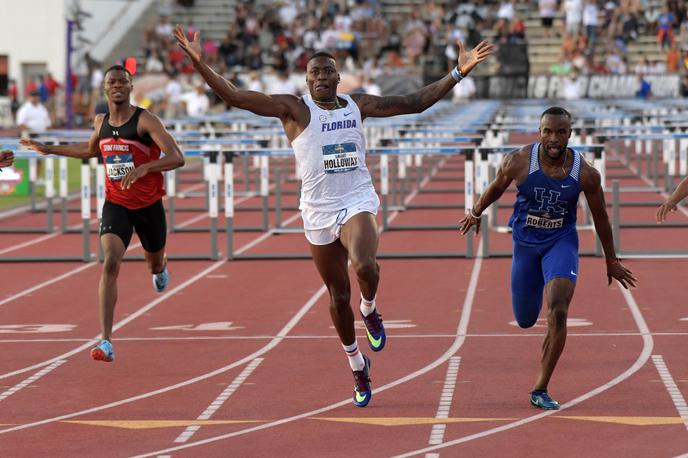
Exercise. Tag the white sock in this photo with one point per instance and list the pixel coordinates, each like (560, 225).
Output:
(355, 357)
(367, 307)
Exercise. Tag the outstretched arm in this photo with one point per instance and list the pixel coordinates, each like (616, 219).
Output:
(508, 171)
(591, 185)
(380, 107)
(79, 150)
(173, 158)
(671, 203)
(281, 106)
(83, 150)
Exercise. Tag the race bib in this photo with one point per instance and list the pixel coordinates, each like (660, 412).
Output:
(544, 221)
(118, 165)
(340, 158)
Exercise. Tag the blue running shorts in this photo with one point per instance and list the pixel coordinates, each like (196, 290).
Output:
(532, 267)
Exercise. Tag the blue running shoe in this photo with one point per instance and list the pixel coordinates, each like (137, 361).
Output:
(375, 330)
(540, 399)
(160, 280)
(362, 390)
(103, 352)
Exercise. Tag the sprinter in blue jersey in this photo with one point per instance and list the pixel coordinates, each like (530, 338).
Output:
(549, 176)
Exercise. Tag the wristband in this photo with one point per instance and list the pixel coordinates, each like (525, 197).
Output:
(456, 74)
(612, 262)
(473, 215)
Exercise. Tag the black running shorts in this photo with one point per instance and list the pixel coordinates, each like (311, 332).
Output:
(149, 222)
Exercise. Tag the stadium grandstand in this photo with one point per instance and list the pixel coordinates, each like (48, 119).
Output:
(390, 47)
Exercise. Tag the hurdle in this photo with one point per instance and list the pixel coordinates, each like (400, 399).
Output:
(617, 225)
(657, 171)
(49, 193)
(414, 148)
(384, 192)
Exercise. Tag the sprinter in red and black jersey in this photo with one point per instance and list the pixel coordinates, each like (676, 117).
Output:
(130, 140)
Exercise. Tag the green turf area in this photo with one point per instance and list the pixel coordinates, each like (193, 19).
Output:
(73, 182)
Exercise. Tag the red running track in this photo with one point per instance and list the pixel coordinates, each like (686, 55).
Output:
(240, 359)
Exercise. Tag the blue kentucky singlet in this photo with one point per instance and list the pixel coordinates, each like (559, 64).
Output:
(545, 207)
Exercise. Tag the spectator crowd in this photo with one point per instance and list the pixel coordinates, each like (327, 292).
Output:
(268, 44)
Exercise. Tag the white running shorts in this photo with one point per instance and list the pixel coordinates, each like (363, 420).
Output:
(323, 228)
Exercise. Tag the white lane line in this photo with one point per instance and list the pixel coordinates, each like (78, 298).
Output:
(637, 365)
(47, 283)
(675, 394)
(40, 239)
(438, 429)
(134, 315)
(121, 323)
(656, 256)
(317, 337)
(30, 380)
(217, 403)
(266, 348)
(458, 342)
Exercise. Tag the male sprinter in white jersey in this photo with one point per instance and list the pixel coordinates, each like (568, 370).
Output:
(549, 177)
(338, 201)
(130, 140)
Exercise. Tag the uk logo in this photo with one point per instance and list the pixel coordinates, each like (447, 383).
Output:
(549, 201)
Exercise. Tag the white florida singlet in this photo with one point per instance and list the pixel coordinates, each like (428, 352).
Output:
(330, 155)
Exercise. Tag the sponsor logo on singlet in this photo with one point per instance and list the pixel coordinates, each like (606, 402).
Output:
(118, 161)
(339, 158)
(336, 125)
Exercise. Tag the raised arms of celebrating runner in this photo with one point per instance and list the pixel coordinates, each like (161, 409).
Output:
(280, 106)
(380, 107)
